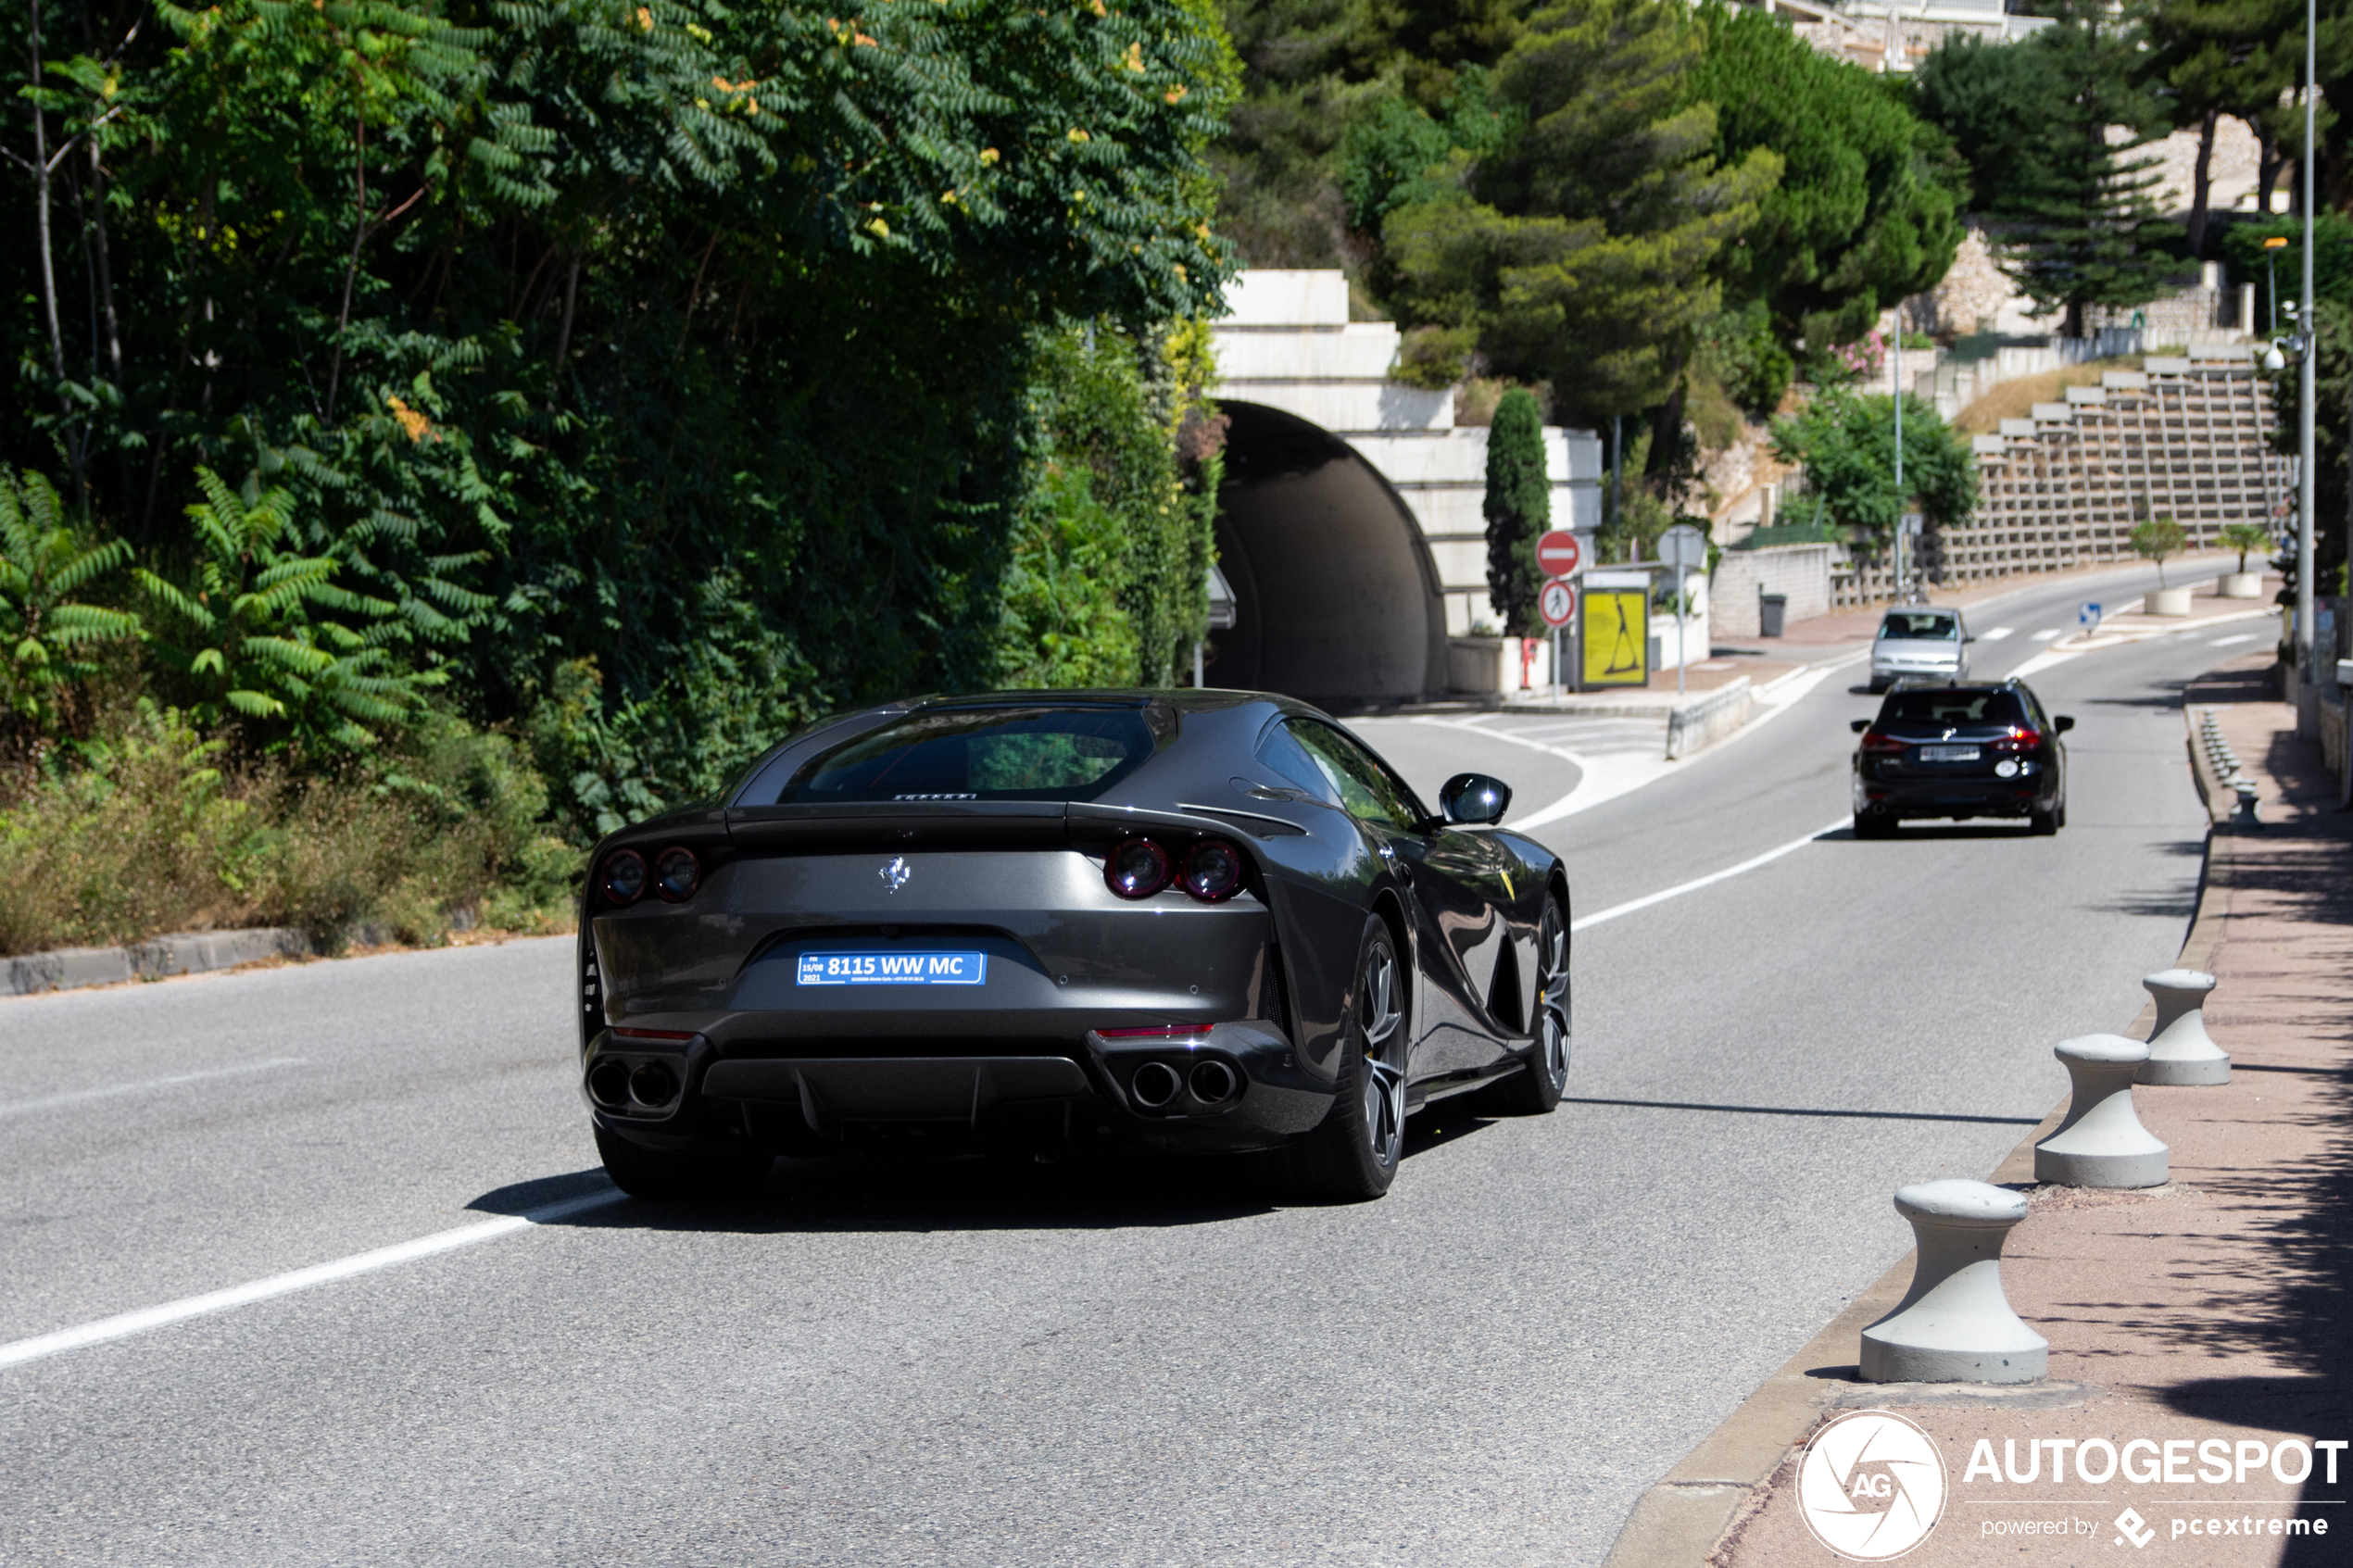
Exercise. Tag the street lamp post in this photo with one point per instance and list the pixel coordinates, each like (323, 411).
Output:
(2307, 712)
(1899, 452)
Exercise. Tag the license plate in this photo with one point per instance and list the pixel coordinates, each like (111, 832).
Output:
(1948, 754)
(896, 967)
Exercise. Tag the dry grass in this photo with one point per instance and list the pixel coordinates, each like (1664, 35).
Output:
(157, 835)
(2015, 399)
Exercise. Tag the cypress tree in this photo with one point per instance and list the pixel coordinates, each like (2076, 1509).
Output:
(1519, 508)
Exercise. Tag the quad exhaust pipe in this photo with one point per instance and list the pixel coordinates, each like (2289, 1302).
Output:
(1157, 1084)
(1154, 1084)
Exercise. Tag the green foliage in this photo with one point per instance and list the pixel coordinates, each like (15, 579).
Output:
(2156, 539)
(2242, 245)
(663, 363)
(1400, 154)
(1846, 445)
(2245, 538)
(1519, 508)
(1865, 213)
(1745, 354)
(163, 831)
(45, 632)
(1583, 254)
(1991, 100)
(246, 632)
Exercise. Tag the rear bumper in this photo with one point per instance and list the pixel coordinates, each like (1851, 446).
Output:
(1958, 798)
(1238, 1086)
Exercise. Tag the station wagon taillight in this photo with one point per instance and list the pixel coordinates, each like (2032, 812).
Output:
(1882, 745)
(2017, 737)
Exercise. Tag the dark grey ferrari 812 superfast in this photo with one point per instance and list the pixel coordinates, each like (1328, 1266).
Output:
(1196, 920)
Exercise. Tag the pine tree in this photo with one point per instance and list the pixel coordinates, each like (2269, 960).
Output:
(1519, 508)
(2078, 229)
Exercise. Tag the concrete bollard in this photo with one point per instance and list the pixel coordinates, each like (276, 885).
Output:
(2101, 1143)
(1954, 1324)
(2180, 1049)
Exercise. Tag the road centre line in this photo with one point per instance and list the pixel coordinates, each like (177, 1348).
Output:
(2242, 637)
(1996, 634)
(125, 1325)
(1795, 845)
(2046, 637)
(46, 1102)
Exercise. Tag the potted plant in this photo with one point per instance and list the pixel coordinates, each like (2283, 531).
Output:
(2155, 540)
(2245, 538)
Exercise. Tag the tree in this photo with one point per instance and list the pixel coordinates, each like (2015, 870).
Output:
(1846, 445)
(1989, 100)
(693, 341)
(1583, 250)
(2243, 537)
(2156, 539)
(1865, 212)
(2217, 57)
(1518, 509)
(2075, 225)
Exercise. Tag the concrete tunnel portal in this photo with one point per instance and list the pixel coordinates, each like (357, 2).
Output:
(1336, 598)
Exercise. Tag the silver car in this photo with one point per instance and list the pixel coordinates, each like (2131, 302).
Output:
(1925, 643)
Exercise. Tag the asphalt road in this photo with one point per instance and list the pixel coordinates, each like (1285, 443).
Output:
(1095, 1364)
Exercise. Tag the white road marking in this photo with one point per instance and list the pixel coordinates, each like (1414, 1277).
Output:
(2044, 659)
(127, 1324)
(2047, 634)
(24, 1106)
(1996, 634)
(1791, 847)
(2242, 637)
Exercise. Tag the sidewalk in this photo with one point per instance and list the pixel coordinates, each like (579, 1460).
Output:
(2216, 1308)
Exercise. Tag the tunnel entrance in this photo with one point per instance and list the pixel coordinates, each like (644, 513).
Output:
(1335, 594)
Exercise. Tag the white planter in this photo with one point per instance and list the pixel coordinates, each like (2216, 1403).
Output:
(2240, 585)
(2169, 601)
(1491, 665)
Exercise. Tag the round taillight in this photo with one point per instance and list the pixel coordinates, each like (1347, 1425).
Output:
(625, 876)
(1213, 871)
(676, 874)
(1136, 868)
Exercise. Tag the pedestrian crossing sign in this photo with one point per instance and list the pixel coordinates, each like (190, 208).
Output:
(1618, 637)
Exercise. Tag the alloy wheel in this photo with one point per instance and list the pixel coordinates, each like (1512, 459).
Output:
(1552, 993)
(1379, 1021)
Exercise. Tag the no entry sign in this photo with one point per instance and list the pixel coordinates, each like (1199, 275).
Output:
(1557, 554)
(1557, 603)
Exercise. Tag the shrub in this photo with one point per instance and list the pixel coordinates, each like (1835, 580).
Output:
(160, 832)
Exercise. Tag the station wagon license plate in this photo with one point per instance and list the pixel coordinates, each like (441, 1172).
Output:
(1948, 754)
(894, 968)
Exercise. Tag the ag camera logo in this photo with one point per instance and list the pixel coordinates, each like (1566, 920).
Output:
(1871, 1486)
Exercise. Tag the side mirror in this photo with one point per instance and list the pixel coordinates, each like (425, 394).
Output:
(2062, 723)
(1858, 726)
(1968, 639)
(1475, 800)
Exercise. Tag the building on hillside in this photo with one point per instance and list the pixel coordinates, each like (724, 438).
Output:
(1885, 35)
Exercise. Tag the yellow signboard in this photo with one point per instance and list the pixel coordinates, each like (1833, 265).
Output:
(1618, 637)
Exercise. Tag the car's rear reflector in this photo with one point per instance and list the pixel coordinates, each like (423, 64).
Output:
(1157, 1032)
(654, 1034)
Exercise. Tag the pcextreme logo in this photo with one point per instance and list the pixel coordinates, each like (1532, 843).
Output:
(1871, 1486)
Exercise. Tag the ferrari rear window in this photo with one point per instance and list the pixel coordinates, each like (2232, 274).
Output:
(1028, 753)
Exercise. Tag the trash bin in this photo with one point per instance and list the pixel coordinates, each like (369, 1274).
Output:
(1771, 609)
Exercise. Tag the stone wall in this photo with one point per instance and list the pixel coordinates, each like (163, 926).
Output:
(1800, 571)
